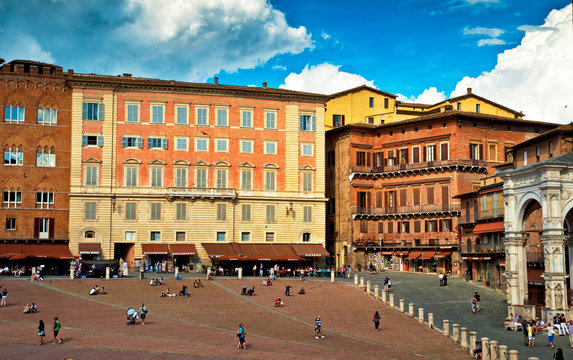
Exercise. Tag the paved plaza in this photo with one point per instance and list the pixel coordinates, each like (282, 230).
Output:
(453, 303)
(204, 325)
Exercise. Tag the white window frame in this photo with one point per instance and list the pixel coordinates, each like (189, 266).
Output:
(92, 212)
(155, 208)
(180, 211)
(153, 175)
(177, 139)
(181, 173)
(221, 209)
(46, 200)
(197, 139)
(251, 115)
(220, 141)
(50, 114)
(304, 147)
(89, 176)
(270, 180)
(246, 209)
(221, 178)
(136, 169)
(9, 114)
(183, 107)
(137, 106)
(197, 177)
(45, 159)
(271, 142)
(270, 213)
(156, 238)
(197, 118)
(307, 214)
(304, 185)
(222, 122)
(11, 198)
(246, 141)
(273, 120)
(134, 210)
(250, 181)
(152, 107)
(14, 157)
(132, 236)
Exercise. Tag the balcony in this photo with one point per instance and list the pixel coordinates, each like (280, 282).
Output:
(468, 249)
(376, 172)
(444, 240)
(493, 213)
(363, 213)
(202, 193)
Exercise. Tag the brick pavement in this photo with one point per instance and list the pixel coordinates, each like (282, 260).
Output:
(204, 325)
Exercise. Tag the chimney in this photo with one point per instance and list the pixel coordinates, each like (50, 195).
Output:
(264, 85)
(70, 72)
(216, 80)
(469, 90)
(128, 75)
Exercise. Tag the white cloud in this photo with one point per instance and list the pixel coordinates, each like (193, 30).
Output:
(534, 28)
(536, 76)
(210, 36)
(430, 95)
(490, 42)
(325, 36)
(324, 79)
(473, 2)
(279, 67)
(24, 46)
(492, 35)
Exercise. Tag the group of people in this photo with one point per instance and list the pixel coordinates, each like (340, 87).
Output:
(167, 293)
(387, 284)
(42, 331)
(249, 292)
(133, 315)
(475, 303)
(531, 328)
(29, 309)
(443, 279)
(97, 291)
(156, 282)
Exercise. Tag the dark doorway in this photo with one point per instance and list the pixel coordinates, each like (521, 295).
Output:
(124, 251)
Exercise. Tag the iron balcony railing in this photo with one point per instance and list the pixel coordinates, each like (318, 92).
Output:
(418, 166)
(201, 192)
(416, 209)
(482, 248)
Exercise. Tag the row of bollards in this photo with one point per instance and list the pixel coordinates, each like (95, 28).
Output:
(491, 350)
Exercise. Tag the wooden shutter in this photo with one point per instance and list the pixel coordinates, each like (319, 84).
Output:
(390, 227)
(424, 154)
(342, 119)
(164, 143)
(444, 151)
(417, 226)
(357, 157)
(140, 143)
(51, 229)
(368, 200)
(481, 152)
(84, 111)
(430, 191)
(84, 140)
(440, 225)
(416, 196)
(124, 142)
(37, 227)
(406, 160)
(416, 155)
(378, 199)
(379, 160)
(100, 141)
(445, 196)
(426, 226)
(100, 108)
(397, 158)
(368, 159)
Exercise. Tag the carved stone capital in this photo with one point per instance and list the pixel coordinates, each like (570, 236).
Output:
(516, 241)
(554, 240)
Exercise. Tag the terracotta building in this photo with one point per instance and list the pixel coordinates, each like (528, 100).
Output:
(391, 187)
(35, 172)
(179, 171)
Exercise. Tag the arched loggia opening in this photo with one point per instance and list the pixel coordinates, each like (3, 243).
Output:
(568, 231)
(532, 229)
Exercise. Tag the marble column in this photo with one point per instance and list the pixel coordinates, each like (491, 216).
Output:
(555, 274)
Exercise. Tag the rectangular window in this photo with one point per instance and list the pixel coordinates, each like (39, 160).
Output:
(47, 116)
(155, 236)
(222, 117)
(416, 193)
(130, 211)
(459, 106)
(14, 114)
(247, 146)
(245, 236)
(180, 236)
(157, 112)
(417, 226)
(477, 108)
(525, 158)
(404, 227)
(307, 182)
(307, 123)
(221, 178)
(484, 202)
(550, 145)
(134, 142)
(370, 120)
(338, 120)
(476, 151)
(270, 213)
(246, 212)
(156, 180)
(201, 144)
(132, 115)
(156, 143)
(90, 211)
(11, 198)
(246, 179)
(492, 152)
(307, 149)
(371, 102)
(415, 155)
(430, 153)
(430, 195)
(130, 236)
(181, 211)
(247, 118)
(44, 228)
(380, 227)
(202, 116)
(181, 112)
(363, 226)
(270, 180)
(92, 140)
(537, 153)
(131, 175)
(386, 103)
(91, 175)
(10, 224)
(269, 237)
(44, 199)
(221, 236)
(307, 214)
(270, 120)
(221, 212)
(390, 227)
(155, 211)
(444, 153)
(446, 225)
(45, 159)
(14, 157)
(182, 144)
(221, 145)
(271, 147)
(181, 176)
(201, 177)
(431, 225)
(92, 111)
(360, 158)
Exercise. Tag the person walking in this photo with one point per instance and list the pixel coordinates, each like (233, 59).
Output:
(241, 337)
(478, 299)
(531, 335)
(524, 327)
(318, 328)
(467, 275)
(4, 297)
(474, 305)
(57, 327)
(376, 319)
(550, 333)
(143, 313)
(441, 277)
(41, 332)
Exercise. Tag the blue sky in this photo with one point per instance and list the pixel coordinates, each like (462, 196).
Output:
(407, 47)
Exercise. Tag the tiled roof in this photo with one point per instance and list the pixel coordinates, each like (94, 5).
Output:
(360, 88)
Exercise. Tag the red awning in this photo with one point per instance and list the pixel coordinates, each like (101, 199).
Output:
(217, 250)
(489, 227)
(534, 277)
(182, 249)
(414, 255)
(427, 255)
(501, 262)
(90, 248)
(386, 252)
(256, 252)
(155, 249)
(310, 250)
(23, 251)
(442, 254)
(476, 257)
(401, 253)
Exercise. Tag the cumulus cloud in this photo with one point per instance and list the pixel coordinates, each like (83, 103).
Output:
(25, 46)
(279, 67)
(325, 36)
(536, 76)
(324, 78)
(492, 35)
(430, 95)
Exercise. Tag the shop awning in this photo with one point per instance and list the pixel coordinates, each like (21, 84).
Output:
(90, 248)
(401, 253)
(386, 252)
(502, 262)
(182, 249)
(414, 255)
(215, 250)
(155, 249)
(478, 258)
(252, 252)
(310, 250)
(489, 227)
(534, 277)
(442, 254)
(46, 251)
(427, 255)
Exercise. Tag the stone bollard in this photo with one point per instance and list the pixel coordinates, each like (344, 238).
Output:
(208, 271)
(72, 271)
(571, 340)
(446, 328)
(362, 282)
(391, 302)
(368, 287)
(472, 344)
(533, 358)
(411, 309)
(384, 293)
(513, 355)
(176, 271)
(493, 350)
(107, 272)
(376, 292)
(355, 279)
(431, 320)
(464, 337)
(240, 273)
(332, 275)
(503, 355)
(401, 305)
(456, 333)
(421, 315)
(485, 349)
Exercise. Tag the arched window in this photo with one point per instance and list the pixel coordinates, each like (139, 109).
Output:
(13, 156)
(306, 237)
(89, 235)
(45, 157)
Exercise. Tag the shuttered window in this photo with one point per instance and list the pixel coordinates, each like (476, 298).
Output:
(246, 212)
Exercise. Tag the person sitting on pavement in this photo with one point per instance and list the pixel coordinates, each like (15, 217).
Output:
(184, 291)
(102, 291)
(197, 283)
(251, 291)
(167, 293)
(287, 291)
(478, 350)
(264, 282)
(272, 277)
(161, 282)
(244, 290)
(279, 303)
(27, 309)
(301, 292)
(33, 308)
(94, 291)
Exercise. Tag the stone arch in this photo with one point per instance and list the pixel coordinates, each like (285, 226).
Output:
(305, 231)
(222, 163)
(270, 166)
(45, 141)
(12, 182)
(45, 184)
(524, 202)
(566, 209)
(97, 233)
(13, 98)
(47, 100)
(13, 140)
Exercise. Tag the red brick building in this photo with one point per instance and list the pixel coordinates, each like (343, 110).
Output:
(392, 186)
(35, 171)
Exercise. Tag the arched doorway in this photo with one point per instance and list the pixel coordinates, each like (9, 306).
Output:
(532, 230)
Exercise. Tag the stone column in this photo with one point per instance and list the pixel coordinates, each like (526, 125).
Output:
(107, 272)
(401, 305)
(493, 350)
(456, 333)
(472, 342)
(391, 300)
(485, 348)
(513, 355)
(421, 315)
(431, 320)
(503, 355)
(368, 287)
(516, 267)
(446, 328)
(411, 309)
(72, 271)
(464, 338)
(240, 273)
(556, 281)
(355, 279)
(332, 275)
(384, 293)
(376, 292)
